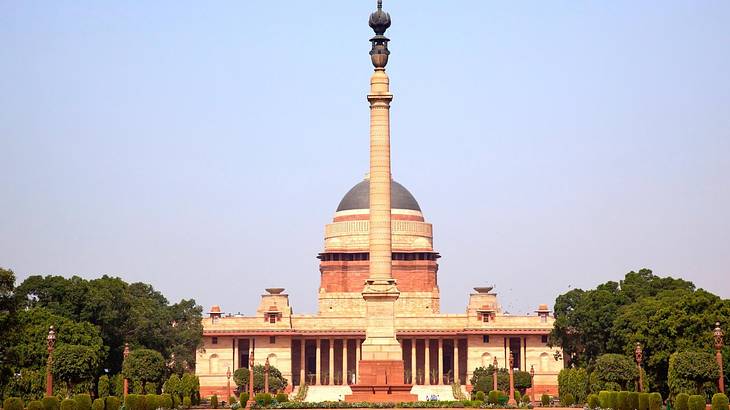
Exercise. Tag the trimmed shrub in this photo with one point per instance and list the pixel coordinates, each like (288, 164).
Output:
(36, 405)
(243, 398)
(186, 402)
(214, 401)
(614, 400)
(655, 401)
(623, 400)
(567, 400)
(517, 396)
(545, 400)
(283, 397)
(111, 403)
(263, 399)
(604, 398)
(681, 401)
(13, 403)
(493, 397)
(593, 401)
(97, 404)
(134, 402)
(696, 402)
(150, 402)
(526, 399)
(51, 403)
(633, 400)
(165, 401)
(643, 401)
(104, 386)
(575, 382)
(69, 404)
(479, 395)
(719, 402)
(83, 401)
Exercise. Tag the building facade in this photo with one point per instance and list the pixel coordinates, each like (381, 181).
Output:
(379, 321)
(320, 349)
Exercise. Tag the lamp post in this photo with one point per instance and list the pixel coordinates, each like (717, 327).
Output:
(532, 383)
(51, 341)
(639, 354)
(250, 401)
(266, 375)
(719, 343)
(126, 381)
(494, 374)
(511, 379)
(228, 386)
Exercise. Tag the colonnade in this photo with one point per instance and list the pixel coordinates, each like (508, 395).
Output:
(427, 360)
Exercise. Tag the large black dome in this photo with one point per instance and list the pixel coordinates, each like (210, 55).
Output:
(359, 197)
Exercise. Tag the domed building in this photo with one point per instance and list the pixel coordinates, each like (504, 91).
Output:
(379, 334)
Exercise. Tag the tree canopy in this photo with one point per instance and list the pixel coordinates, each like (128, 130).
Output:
(664, 314)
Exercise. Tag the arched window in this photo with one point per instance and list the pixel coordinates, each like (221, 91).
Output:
(272, 359)
(486, 359)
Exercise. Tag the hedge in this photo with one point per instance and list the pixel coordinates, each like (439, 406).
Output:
(97, 404)
(604, 397)
(681, 402)
(83, 401)
(263, 399)
(165, 401)
(214, 401)
(643, 401)
(51, 403)
(283, 397)
(593, 401)
(623, 400)
(493, 397)
(655, 401)
(186, 402)
(111, 403)
(696, 402)
(69, 404)
(633, 400)
(719, 402)
(567, 400)
(243, 398)
(134, 402)
(480, 395)
(545, 400)
(151, 402)
(36, 405)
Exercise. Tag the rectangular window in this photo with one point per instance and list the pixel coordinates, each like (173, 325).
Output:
(544, 338)
(485, 338)
(485, 318)
(272, 340)
(214, 340)
(272, 318)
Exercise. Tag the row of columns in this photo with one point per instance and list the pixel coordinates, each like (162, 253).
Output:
(318, 360)
(344, 355)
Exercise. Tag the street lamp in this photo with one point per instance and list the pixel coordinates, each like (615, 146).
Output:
(639, 354)
(511, 379)
(126, 381)
(719, 343)
(532, 383)
(228, 376)
(250, 401)
(266, 375)
(494, 374)
(51, 342)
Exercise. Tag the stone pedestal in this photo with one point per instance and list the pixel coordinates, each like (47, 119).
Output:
(381, 381)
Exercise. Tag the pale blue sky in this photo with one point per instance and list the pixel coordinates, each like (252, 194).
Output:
(202, 146)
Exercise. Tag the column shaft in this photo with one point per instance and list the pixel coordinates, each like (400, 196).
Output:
(413, 361)
(456, 361)
(317, 361)
(357, 361)
(302, 364)
(441, 362)
(331, 378)
(345, 381)
(427, 361)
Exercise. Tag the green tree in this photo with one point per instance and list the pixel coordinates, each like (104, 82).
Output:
(575, 382)
(74, 364)
(613, 372)
(144, 365)
(690, 370)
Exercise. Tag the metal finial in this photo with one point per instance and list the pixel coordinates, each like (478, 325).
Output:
(380, 4)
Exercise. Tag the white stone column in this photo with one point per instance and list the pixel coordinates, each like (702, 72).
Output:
(331, 378)
(441, 361)
(357, 360)
(427, 362)
(318, 365)
(456, 361)
(345, 382)
(302, 364)
(413, 361)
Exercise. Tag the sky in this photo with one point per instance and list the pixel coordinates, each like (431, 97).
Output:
(202, 146)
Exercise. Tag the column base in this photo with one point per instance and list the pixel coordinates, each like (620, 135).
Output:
(381, 381)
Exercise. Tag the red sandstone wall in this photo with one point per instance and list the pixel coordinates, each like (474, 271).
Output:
(349, 276)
